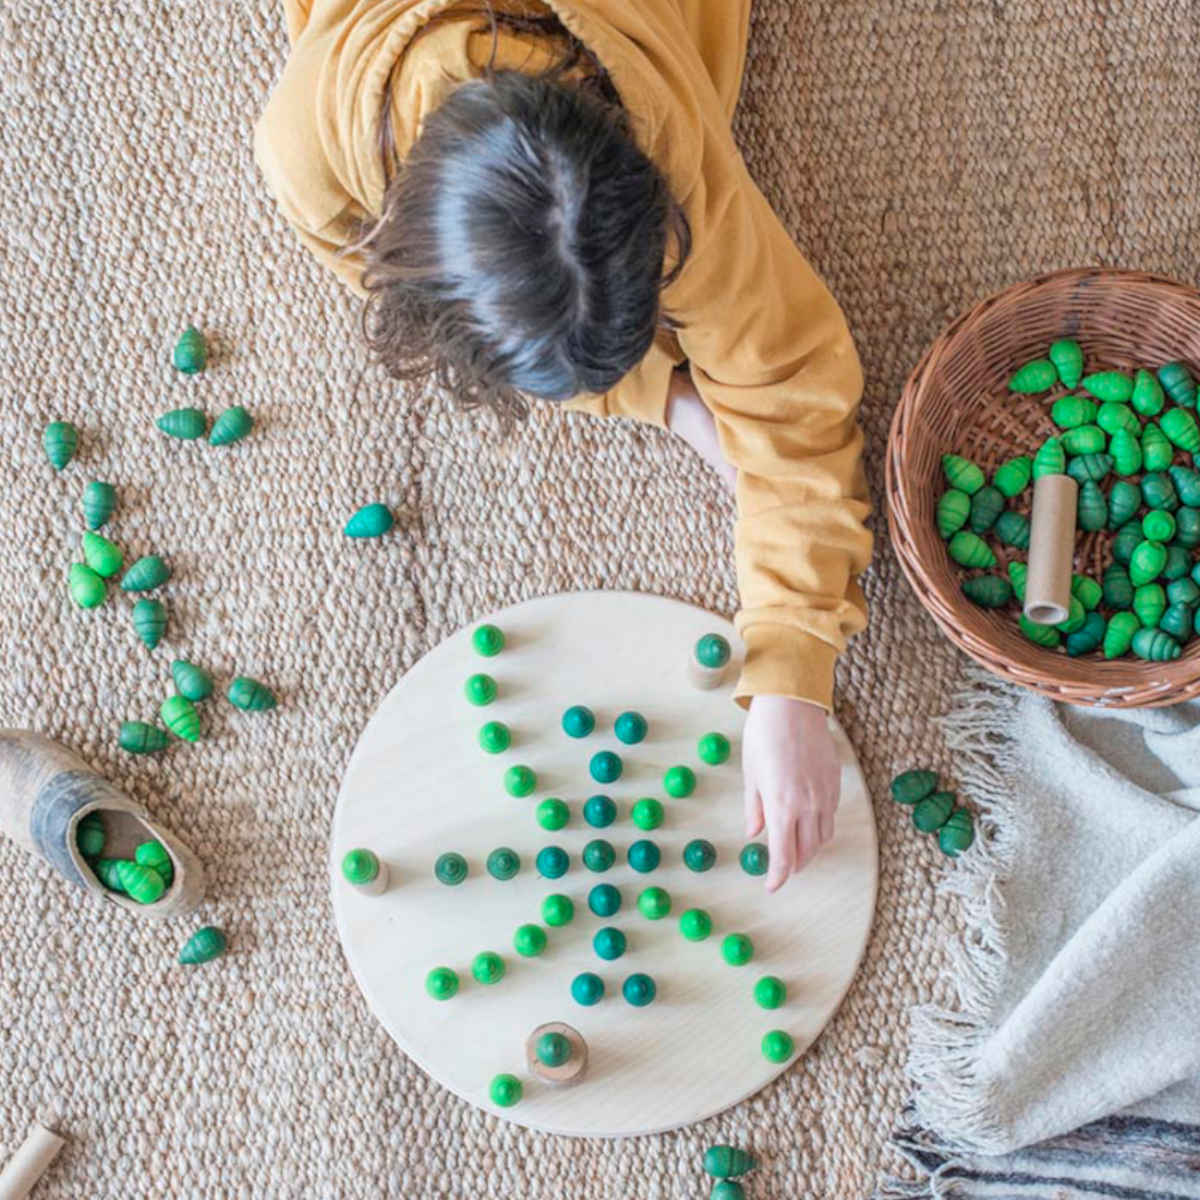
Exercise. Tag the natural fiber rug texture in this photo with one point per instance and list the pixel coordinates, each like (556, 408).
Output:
(923, 153)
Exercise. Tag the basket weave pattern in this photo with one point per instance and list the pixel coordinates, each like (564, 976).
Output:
(956, 400)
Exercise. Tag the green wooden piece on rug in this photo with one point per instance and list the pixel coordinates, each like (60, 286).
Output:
(737, 949)
(957, 834)
(552, 1049)
(86, 587)
(754, 858)
(1177, 621)
(605, 767)
(712, 651)
(89, 835)
(249, 695)
(970, 550)
(599, 811)
(1109, 385)
(145, 574)
(1045, 636)
(203, 946)
(911, 786)
(598, 855)
(153, 854)
(1118, 637)
(1076, 615)
(480, 690)
(520, 781)
(1067, 357)
(360, 867)
(1124, 500)
(191, 681)
(139, 883)
(503, 863)
(529, 940)
(99, 503)
(371, 521)
(150, 621)
(647, 813)
(713, 749)
(441, 983)
(1118, 587)
(191, 352)
(932, 813)
(231, 426)
(1012, 528)
(1158, 526)
(587, 988)
(1149, 604)
(1187, 485)
(553, 814)
(494, 737)
(604, 900)
(60, 440)
(727, 1189)
(450, 868)
(1050, 459)
(1069, 412)
(1090, 466)
(695, 924)
(770, 992)
(639, 990)
(986, 505)
(107, 870)
(609, 943)
(103, 556)
(1147, 562)
(578, 721)
(186, 424)
(552, 862)
(1088, 636)
(488, 640)
(1018, 572)
(644, 856)
(679, 782)
(1155, 646)
(1113, 418)
(1178, 383)
(1126, 451)
(1039, 375)
(1013, 477)
(1180, 427)
(138, 737)
(1087, 590)
(1085, 439)
(1128, 538)
(962, 474)
(1157, 451)
(179, 715)
(505, 1090)
(1092, 512)
(699, 855)
(724, 1162)
(1147, 398)
(557, 910)
(777, 1046)
(487, 968)
(988, 591)
(654, 903)
(630, 728)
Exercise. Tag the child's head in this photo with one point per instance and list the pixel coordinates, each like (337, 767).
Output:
(521, 246)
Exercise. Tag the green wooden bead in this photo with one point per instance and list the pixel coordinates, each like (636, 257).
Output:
(371, 521)
(86, 587)
(604, 900)
(1050, 459)
(1045, 636)
(630, 728)
(1183, 591)
(1118, 587)
(1147, 563)
(191, 681)
(1088, 591)
(150, 621)
(970, 550)
(529, 940)
(679, 782)
(520, 781)
(441, 984)
(494, 737)
(142, 884)
(1067, 358)
(1147, 396)
(1149, 604)
(1155, 646)
(727, 1189)
(1124, 500)
(107, 870)
(1157, 452)
(552, 862)
(179, 715)
(1013, 477)
(1158, 491)
(713, 749)
(249, 695)
(488, 640)
(957, 834)
(552, 1049)
(1088, 636)
(191, 351)
(932, 813)
(1068, 412)
(578, 721)
(480, 690)
(505, 1090)
(1017, 573)
(145, 574)
(1012, 528)
(988, 591)
(1085, 439)
(644, 856)
(1037, 376)
(911, 786)
(598, 855)
(605, 767)
(587, 989)
(1158, 526)
(654, 903)
(503, 863)
(487, 968)
(1118, 637)
(557, 910)
(754, 858)
(360, 866)
(1177, 621)
(1109, 385)
(695, 924)
(647, 813)
(1125, 450)
(153, 854)
(1090, 466)
(187, 424)
(1178, 383)
(553, 814)
(99, 503)
(962, 474)
(712, 651)
(609, 943)
(450, 868)
(1127, 540)
(1076, 616)
(699, 855)
(231, 426)
(777, 1046)
(103, 556)
(724, 1162)
(639, 990)
(737, 949)
(203, 946)
(90, 836)
(1113, 418)
(1092, 512)
(599, 811)
(1187, 485)
(1180, 427)
(770, 992)
(986, 505)
(1179, 562)
(137, 737)
(60, 440)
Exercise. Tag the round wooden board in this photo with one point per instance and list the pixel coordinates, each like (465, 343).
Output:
(418, 785)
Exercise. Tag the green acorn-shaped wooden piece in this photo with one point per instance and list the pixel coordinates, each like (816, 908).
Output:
(1126, 451)
(1187, 484)
(181, 718)
(953, 509)
(103, 556)
(107, 870)
(1147, 562)
(203, 946)
(1036, 376)
(931, 813)
(231, 426)
(1067, 358)
(957, 834)
(1155, 646)
(60, 440)
(1127, 540)
(1187, 528)
(249, 695)
(1118, 637)
(988, 591)
(90, 835)
(85, 586)
(99, 501)
(1050, 459)
(1017, 573)
(1090, 466)
(1118, 587)
(1012, 528)
(1183, 591)
(1114, 417)
(191, 351)
(986, 505)
(1013, 477)
(1124, 500)
(154, 854)
(724, 1162)
(1087, 591)
(1070, 411)
(139, 883)
(371, 521)
(1177, 621)
(1092, 513)
(1158, 526)
(190, 681)
(1147, 395)
(145, 574)
(1109, 385)
(150, 621)
(1076, 617)
(1179, 562)
(1045, 636)
(1179, 384)
(727, 1189)
(187, 424)
(962, 474)
(970, 550)
(911, 786)
(1088, 636)
(1159, 492)
(1149, 604)
(1157, 452)
(138, 737)
(1180, 427)
(1084, 439)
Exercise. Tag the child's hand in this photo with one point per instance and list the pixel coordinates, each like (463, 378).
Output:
(792, 776)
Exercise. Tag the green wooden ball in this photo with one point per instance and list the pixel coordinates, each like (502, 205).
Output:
(695, 924)
(599, 811)
(647, 813)
(441, 983)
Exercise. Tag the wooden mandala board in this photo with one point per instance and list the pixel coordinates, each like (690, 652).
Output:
(418, 784)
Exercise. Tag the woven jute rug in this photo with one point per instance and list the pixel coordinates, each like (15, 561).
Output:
(923, 154)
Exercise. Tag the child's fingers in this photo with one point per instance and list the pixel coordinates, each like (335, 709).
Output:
(808, 837)
(781, 845)
(825, 826)
(754, 811)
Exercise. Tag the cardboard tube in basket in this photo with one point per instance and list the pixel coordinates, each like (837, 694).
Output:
(1051, 550)
(29, 1162)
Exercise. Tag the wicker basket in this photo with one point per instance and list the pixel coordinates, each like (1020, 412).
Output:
(957, 400)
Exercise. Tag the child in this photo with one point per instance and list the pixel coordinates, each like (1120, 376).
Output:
(543, 199)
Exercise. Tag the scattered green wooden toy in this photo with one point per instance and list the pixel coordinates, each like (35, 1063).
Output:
(179, 715)
(557, 910)
(249, 695)
(970, 550)
(1147, 563)
(1075, 619)
(191, 681)
(1126, 451)
(1126, 541)
(1149, 603)
(553, 814)
(1088, 636)
(1087, 591)
(203, 946)
(599, 811)
(630, 728)
(695, 924)
(1147, 397)
(86, 587)
(724, 1162)
(931, 814)
(1017, 574)
(1179, 562)
(1013, 477)
(503, 863)
(1068, 412)
(487, 968)
(450, 868)
(103, 556)
(1187, 484)
(153, 854)
(1155, 646)
(488, 640)
(1177, 621)
(1050, 459)
(737, 949)
(1158, 526)
(604, 900)
(137, 737)
(986, 505)
(107, 870)
(910, 786)
(150, 621)
(1039, 375)
(145, 575)
(647, 813)
(679, 782)
(654, 903)
(770, 992)
(712, 651)
(598, 855)
(609, 943)
(1118, 637)
(143, 884)
(441, 983)
(1157, 451)
(529, 940)
(1178, 383)
(480, 690)
(988, 591)
(1109, 385)
(231, 426)
(186, 424)
(1045, 636)
(605, 767)
(505, 1090)
(360, 867)
(1090, 466)
(962, 474)
(1115, 418)
(644, 856)
(1012, 528)
(1180, 427)
(494, 737)
(89, 835)
(1183, 591)
(1067, 358)
(99, 503)
(699, 855)
(957, 834)
(1092, 513)
(578, 721)
(953, 509)
(520, 781)
(1124, 500)
(727, 1189)
(639, 990)
(587, 989)
(371, 521)
(777, 1046)
(553, 1049)
(1187, 532)
(191, 352)
(1084, 439)
(60, 440)
(713, 749)
(754, 858)
(552, 862)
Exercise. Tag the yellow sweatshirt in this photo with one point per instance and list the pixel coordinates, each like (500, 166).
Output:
(768, 347)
